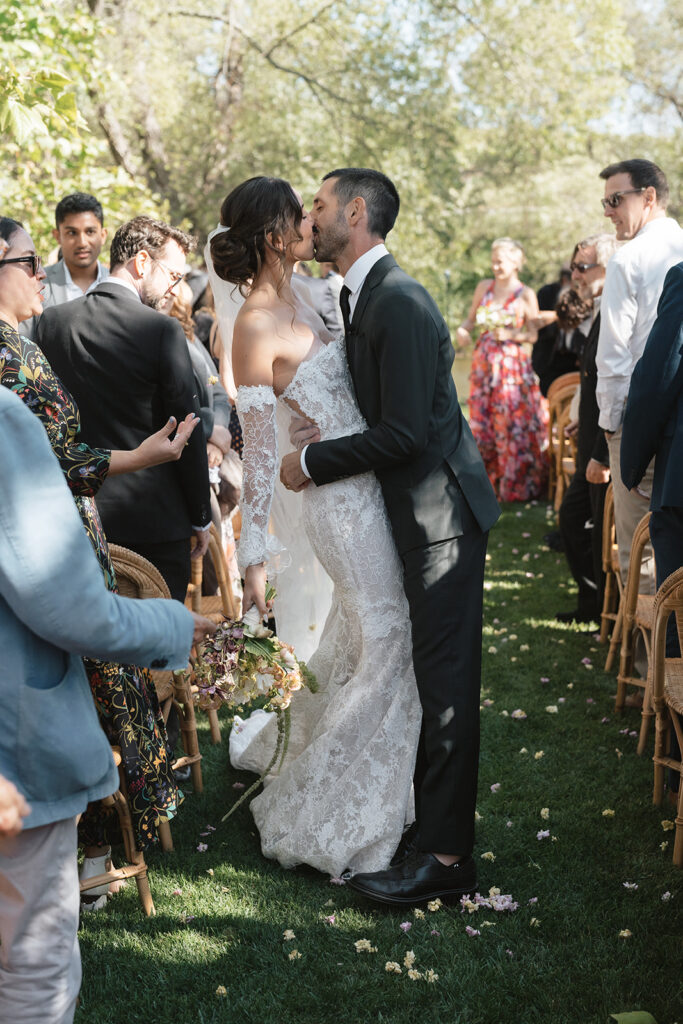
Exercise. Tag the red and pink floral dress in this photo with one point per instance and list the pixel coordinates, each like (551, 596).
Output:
(508, 414)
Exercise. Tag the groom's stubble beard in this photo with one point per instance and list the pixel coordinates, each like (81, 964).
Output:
(331, 241)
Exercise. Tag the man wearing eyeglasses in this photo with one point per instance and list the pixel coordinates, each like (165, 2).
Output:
(128, 368)
(636, 195)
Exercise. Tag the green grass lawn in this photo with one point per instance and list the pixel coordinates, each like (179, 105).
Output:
(558, 959)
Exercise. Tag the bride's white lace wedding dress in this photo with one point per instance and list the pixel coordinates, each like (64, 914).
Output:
(343, 794)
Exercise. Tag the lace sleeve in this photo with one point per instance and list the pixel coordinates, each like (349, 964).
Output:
(256, 409)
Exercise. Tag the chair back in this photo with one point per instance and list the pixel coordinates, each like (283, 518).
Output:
(641, 536)
(560, 394)
(668, 601)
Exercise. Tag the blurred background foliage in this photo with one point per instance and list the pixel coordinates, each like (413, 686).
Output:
(494, 118)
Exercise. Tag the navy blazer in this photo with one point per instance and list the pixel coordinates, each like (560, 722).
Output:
(653, 422)
(418, 442)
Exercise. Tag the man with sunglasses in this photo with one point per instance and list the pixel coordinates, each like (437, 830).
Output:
(636, 195)
(128, 368)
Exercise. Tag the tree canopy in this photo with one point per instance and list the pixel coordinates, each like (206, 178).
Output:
(494, 118)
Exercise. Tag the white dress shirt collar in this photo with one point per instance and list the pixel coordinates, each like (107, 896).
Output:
(358, 271)
(124, 284)
(73, 290)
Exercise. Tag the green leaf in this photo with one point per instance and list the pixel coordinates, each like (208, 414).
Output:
(23, 122)
(52, 78)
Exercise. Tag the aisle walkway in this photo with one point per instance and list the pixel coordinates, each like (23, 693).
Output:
(565, 820)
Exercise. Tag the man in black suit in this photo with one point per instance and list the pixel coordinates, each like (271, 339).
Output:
(440, 505)
(581, 511)
(653, 426)
(128, 368)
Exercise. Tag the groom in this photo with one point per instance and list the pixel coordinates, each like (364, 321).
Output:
(440, 505)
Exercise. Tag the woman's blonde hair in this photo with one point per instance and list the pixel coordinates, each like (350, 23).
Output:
(182, 309)
(512, 246)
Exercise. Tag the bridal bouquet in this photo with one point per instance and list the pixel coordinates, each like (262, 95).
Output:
(242, 662)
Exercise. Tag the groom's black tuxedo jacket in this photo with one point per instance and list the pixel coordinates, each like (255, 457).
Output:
(128, 369)
(418, 442)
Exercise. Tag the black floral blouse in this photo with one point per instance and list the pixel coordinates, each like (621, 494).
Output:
(124, 695)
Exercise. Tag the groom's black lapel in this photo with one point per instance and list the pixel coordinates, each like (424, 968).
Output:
(377, 273)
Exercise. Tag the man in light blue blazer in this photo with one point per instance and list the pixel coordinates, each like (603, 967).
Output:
(54, 608)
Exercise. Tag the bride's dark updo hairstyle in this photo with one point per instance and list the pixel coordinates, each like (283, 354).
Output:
(255, 209)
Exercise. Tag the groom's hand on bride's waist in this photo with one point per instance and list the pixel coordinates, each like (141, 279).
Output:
(291, 473)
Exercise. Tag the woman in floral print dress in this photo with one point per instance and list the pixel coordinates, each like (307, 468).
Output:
(124, 695)
(508, 414)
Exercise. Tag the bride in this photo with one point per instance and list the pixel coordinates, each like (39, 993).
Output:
(343, 794)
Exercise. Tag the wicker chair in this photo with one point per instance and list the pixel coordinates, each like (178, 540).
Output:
(560, 394)
(612, 600)
(637, 620)
(136, 867)
(667, 697)
(136, 577)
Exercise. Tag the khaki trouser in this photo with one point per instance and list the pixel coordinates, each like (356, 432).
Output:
(629, 509)
(40, 962)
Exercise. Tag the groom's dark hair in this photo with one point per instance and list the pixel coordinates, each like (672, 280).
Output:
(378, 191)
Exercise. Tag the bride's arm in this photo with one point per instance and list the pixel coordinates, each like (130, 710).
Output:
(255, 403)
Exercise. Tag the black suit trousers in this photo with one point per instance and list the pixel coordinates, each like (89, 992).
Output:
(444, 586)
(584, 503)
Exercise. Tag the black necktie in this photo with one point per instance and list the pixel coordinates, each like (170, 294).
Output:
(345, 308)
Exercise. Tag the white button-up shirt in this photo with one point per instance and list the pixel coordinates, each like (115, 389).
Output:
(73, 291)
(633, 283)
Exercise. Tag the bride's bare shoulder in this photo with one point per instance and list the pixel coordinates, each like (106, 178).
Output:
(254, 344)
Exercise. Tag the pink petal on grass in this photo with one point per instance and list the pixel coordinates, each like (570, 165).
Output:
(472, 931)
(495, 787)
(405, 926)
(202, 848)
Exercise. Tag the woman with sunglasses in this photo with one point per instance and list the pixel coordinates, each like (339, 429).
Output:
(124, 695)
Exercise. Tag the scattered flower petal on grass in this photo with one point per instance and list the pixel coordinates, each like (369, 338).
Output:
(364, 946)
(414, 975)
(666, 896)
(337, 881)
(489, 855)
(509, 952)
(534, 922)
(604, 721)
(552, 709)
(663, 846)
(409, 958)
(238, 785)
(505, 714)
(434, 905)
(631, 885)
(518, 714)
(545, 679)
(209, 871)
(493, 650)
(221, 991)
(543, 834)
(434, 932)
(523, 750)
(538, 755)
(533, 901)
(177, 892)
(202, 848)
(570, 686)
(472, 931)
(488, 702)
(668, 825)
(495, 787)
(418, 914)
(562, 700)
(545, 813)
(288, 935)
(294, 955)
(633, 732)
(391, 967)
(608, 812)
(331, 919)
(477, 816)
(405, 926)
(625, 933)
(431, 976)
(508, 824)
(589, 700)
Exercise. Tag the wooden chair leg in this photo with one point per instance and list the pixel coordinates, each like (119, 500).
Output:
(165, 837)
(145, 894)
(214, 727)
(615, 641)
(647, 714)
(188, 728)
(661, 736)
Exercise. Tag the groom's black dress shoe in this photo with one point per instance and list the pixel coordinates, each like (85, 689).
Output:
(417, 879)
